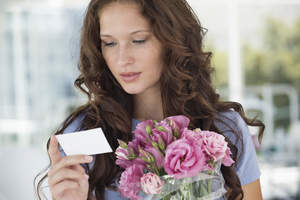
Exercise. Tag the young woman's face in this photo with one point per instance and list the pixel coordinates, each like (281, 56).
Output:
(130, 49)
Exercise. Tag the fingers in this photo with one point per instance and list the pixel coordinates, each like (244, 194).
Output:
(63, 186)
(67, 177)
(53, 151)
(78, 168)
(69, 161)
(66, 174)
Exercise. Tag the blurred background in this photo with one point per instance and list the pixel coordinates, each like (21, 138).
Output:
(256, 54)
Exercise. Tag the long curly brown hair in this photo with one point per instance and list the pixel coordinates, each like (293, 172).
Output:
(185, 84)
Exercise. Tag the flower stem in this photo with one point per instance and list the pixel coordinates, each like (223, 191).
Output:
(209, 184)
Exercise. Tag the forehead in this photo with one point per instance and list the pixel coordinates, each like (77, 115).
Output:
(116, 16)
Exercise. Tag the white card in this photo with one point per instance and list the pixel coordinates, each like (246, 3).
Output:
(87, 142)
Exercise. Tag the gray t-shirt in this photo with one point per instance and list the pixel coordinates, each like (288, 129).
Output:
(247, 168)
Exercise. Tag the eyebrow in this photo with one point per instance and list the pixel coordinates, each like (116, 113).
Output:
(132, 33)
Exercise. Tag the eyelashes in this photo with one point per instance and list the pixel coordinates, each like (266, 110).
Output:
(111, 44)
(108, 44)
(139, 41)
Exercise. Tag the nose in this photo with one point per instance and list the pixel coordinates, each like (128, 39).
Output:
(125, 55)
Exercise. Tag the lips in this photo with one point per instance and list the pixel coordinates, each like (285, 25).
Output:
(130, 76)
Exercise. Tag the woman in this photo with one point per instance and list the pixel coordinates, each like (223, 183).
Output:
(143, 59)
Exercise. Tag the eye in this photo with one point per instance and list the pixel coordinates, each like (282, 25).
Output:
(139, 41)
(108, 44)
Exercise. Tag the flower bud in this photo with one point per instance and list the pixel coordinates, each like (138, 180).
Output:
(176, 133)
(160, 128)
(121, 153)
(161, 143)
(131, 153)
(149, 167)
(122, 144)
(146, 156)
(197, 130)
(155, 145)
(144, 159)
(174, 128)
(149, 130)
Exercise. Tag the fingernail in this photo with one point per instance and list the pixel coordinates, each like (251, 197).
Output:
(86, 176)
(88, 158)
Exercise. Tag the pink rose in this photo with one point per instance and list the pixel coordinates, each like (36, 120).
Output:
(184, 158)
(214, 145)
(227, 160)
(151, 183)
(196, 136)
(130, 182)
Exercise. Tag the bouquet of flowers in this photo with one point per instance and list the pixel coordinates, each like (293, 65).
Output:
(166, 160)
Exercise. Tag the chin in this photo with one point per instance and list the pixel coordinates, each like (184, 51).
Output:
(132, 90)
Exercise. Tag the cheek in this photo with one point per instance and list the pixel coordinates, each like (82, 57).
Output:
(109, 61)
(158, 72)
(158, 66)
(154, 62)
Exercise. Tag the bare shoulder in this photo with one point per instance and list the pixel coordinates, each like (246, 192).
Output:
(252, 190)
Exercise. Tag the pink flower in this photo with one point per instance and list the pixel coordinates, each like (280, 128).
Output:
(140, 133)
(134, 144)
(122, 157)
(130, 182)
(163, 130)
(214, 145)
(196, 136)
(158, 156)
(151, 183)
(181, 121)
(139, 161)
(184, 158)
(227, 160)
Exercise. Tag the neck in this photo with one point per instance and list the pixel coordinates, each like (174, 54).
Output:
(148, 106)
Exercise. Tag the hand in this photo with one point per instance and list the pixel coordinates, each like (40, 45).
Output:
(66, 177)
